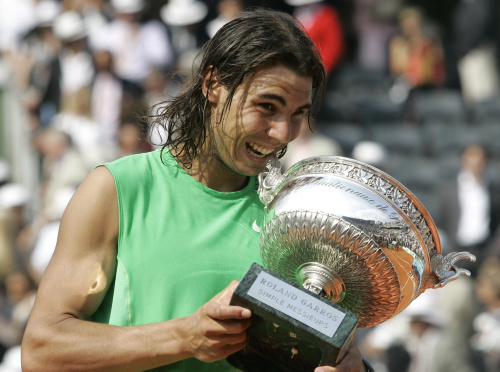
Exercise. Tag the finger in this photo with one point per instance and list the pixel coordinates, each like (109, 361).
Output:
(223, 345)
(227, 350)
(217, 353)
(232, 339)
(221, 328)
(218, 311)
(325, 369)
(233, 348)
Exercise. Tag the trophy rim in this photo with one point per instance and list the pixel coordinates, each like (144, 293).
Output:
(294, 170)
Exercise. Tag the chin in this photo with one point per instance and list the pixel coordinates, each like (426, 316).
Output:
(251, 171)
(246, 168)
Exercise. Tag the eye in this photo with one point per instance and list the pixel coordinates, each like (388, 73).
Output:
(267, 106)
(302, 112)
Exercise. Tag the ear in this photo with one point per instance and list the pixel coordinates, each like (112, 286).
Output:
(211, 85)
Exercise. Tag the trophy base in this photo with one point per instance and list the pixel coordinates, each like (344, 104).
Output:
(292, 328)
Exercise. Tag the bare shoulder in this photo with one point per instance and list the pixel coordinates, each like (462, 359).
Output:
(84, 261)
(95, 203)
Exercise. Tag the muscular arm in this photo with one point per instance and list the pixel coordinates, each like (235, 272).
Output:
(59, 338)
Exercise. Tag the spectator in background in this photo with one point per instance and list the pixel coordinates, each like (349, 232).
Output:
(308, 144)
(130, 140)
(6, 246)
(137, 46)
(20, 295)
(13, 201)
(227, 10)
(42, 47)
(16, 19)
(107, 97)
(20, 291)
(486, 340)
(112, 96)
(184, 21)
(372, 153)
(415, 53)
(374, 21)
(62, 167)
(46, 239)
(426, 325)
(158, 89)
(71, 71)
(431, 335)
(96, 16)
(324, 26)
(469, 209)
(474, 49)
(82, 129)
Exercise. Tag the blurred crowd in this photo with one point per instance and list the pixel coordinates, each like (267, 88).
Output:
(413, 89)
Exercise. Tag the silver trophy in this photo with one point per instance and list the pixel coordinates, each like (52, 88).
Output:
(339, 237)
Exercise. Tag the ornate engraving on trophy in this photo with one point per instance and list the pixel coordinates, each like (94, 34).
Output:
(383, 186)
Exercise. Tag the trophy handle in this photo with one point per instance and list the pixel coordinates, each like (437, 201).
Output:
(444, 268)
(269, 180)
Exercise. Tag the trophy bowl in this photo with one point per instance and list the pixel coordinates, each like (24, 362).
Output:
(353, 234)
(347, 234)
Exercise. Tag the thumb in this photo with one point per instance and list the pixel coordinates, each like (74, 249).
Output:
(224, 297)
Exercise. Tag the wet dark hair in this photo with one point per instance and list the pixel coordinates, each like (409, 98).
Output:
(257, 38)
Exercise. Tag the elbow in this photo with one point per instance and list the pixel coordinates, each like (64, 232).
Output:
(32, 352)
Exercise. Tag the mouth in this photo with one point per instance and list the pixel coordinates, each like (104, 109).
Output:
(259, 151)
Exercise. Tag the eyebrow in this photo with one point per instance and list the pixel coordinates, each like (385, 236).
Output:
(282, 101)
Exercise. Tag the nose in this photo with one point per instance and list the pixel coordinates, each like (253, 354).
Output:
(284, 130)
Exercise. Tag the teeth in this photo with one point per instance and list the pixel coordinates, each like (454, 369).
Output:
(259, 150)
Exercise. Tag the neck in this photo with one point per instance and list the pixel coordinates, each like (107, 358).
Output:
(222, 183)
(209, 171)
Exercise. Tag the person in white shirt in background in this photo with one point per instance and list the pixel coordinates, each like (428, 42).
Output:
(469, 210)
(137, 47)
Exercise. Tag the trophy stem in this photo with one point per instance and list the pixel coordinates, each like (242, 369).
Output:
(321, 280)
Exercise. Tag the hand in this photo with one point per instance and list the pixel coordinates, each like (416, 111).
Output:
(352, 362)
(217, 329)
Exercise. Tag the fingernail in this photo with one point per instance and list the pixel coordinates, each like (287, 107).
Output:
(246, 313)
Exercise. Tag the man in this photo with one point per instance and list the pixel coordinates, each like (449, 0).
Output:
(322, 22)
(470, 206)
(150, 245)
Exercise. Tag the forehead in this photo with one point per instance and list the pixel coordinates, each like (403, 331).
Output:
(282, 79)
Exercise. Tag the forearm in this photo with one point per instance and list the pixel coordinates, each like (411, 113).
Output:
(78, 345)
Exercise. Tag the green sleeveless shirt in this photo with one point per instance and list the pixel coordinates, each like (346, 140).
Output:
(179, 244)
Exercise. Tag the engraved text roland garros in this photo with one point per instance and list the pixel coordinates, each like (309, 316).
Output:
(296, 303)
(339, 185)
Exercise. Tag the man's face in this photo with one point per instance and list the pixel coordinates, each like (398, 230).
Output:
(266, 113)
